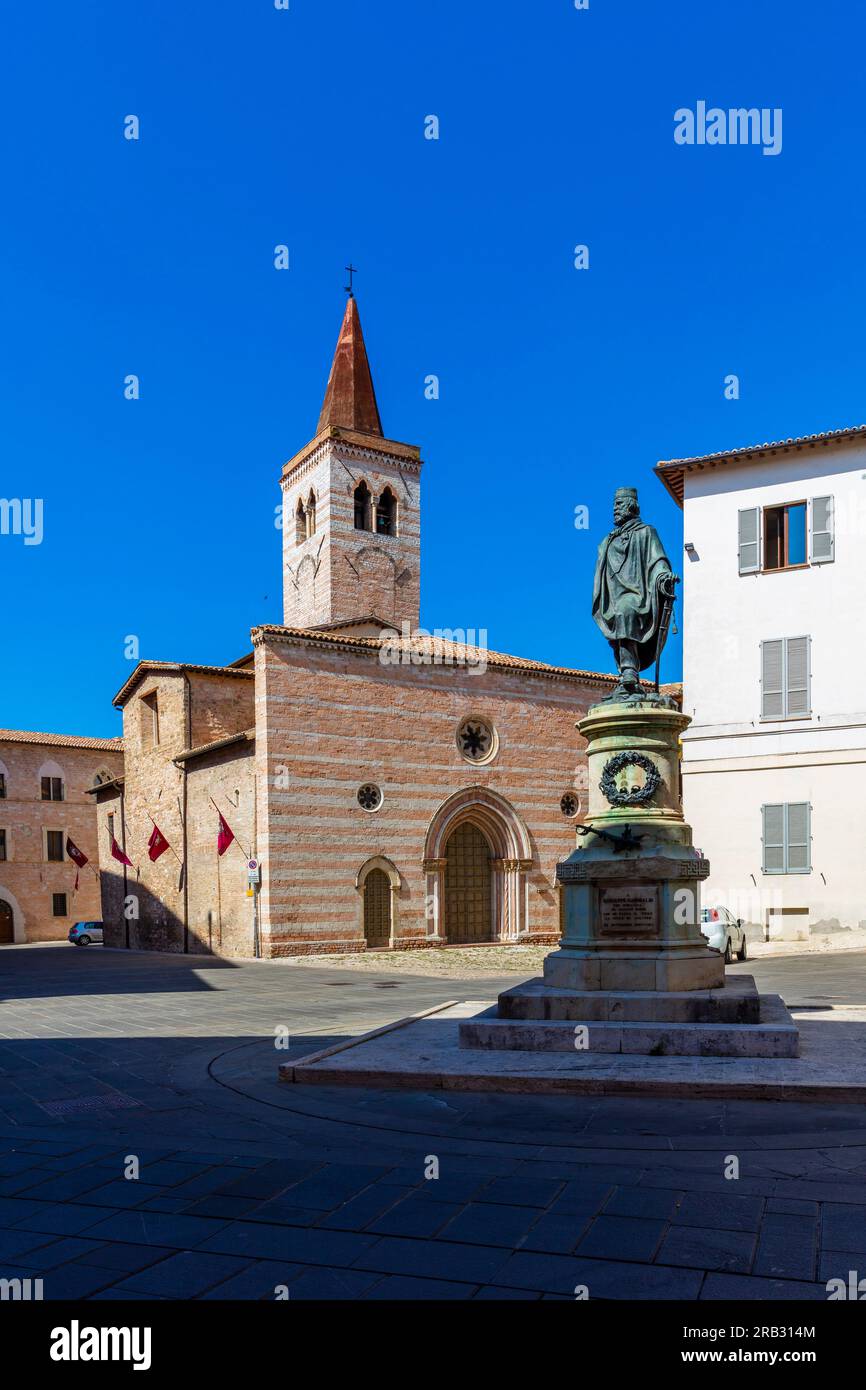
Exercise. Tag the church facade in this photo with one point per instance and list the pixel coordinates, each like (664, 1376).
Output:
(388, 789)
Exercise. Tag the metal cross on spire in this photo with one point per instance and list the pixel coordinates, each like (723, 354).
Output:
(352, 269)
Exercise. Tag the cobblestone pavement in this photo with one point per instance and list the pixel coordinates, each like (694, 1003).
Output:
(460, 962)
(246, 1185)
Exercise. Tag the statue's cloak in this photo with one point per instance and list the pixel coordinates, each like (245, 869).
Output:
(626, 602)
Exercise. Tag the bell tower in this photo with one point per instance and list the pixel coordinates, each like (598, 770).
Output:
(351, 508)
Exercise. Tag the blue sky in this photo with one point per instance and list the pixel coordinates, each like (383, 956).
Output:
(306, 127)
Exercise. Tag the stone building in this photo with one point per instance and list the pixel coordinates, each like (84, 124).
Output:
(394, 789)
(44, 783)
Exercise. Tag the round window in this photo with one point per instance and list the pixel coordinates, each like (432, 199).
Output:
(477, 740)
(369, 797)
(569, 804)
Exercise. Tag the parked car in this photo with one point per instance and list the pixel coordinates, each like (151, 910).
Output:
(724, 931)
(84, 932)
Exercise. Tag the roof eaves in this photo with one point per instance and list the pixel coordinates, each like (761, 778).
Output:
(175, 668)
(115, 784)
(671, 472)
(370, 645)
(187, 754)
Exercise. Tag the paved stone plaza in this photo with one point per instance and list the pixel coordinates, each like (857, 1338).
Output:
(247, 1184)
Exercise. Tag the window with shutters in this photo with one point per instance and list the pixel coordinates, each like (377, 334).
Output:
(785, 536)
(58, 904)
(789, 536)
(2, 845)
(785, 684)
(787, 838)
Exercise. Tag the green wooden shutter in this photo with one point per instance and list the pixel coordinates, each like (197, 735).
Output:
(773, 839)
(797, 835)
(796, 677)
(773, 680)
(749, 533)
(823, 543)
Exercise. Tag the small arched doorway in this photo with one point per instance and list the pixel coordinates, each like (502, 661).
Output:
(378, 884)
(468, 886)
(377, 909)
(7, 930)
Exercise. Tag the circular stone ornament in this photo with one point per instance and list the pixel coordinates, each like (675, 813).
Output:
(369, 797)
(477, 740)
(634, 795)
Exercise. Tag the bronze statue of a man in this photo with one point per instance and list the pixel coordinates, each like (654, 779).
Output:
(633, 593)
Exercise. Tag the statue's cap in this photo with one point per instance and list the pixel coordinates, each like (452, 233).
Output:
(625, 492)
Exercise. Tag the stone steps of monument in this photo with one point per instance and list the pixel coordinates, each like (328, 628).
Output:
(737, 1002)
(775, 1035)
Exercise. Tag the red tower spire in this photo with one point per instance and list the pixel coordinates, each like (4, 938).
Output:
(350, 401)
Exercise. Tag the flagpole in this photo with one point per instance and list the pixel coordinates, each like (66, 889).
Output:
(219, 813)
(171, 847)
(123, 866)
(219, 902)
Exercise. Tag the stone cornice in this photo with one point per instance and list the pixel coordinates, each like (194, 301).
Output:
(368, 447)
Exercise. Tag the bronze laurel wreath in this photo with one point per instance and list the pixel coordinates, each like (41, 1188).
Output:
(638, 796)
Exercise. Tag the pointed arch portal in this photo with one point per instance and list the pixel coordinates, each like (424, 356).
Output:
(461, 888)
(378, 883)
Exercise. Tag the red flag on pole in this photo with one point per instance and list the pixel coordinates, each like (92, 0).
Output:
(157, 844)
(225, 836)
(75, 854)
(118, 854)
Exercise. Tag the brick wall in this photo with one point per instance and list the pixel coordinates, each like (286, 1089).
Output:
(328, 721)
(27, 880)
(220, 913)
(341, 572)
(193, 708)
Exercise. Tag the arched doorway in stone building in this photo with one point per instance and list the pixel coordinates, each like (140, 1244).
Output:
(7, 923)
(477, 851)
(378, 883)
(468, 906)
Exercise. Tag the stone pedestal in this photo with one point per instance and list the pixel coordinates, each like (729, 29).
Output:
(631, 915)
(633, 965)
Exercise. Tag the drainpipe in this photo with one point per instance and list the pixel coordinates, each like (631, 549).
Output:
(123, 843)
(257, 944)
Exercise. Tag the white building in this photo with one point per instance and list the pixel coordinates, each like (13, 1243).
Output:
(774, 677)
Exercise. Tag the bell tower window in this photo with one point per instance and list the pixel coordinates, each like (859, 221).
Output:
(386, 514)
(300, 523)
(363, 508)
(311, 514)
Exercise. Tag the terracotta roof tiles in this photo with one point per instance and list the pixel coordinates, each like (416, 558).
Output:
(457, 650)
(60, 740)
(672, 471)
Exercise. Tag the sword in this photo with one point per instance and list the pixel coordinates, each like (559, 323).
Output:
(627, 840)
(665, 619)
